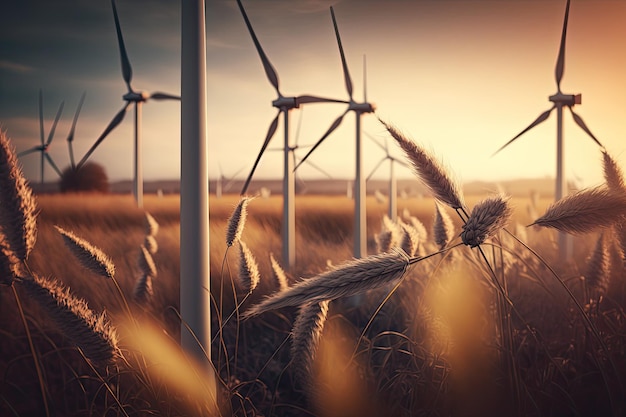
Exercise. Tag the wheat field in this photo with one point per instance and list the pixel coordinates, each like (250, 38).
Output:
(455, 312)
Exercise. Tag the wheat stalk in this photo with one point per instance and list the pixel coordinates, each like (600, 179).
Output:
(422, 233)
(150, 224)
(145, 262)
(354, 277)
(443, 228)
(486, 219)
(279, 274)
(237, 221)
(432, 173)
(91, 332)
(17, 203)
(143, 289)
(89, 256)
(585, 211)
(599, 267)
(612, 173)
(305, 337)
(248, 268)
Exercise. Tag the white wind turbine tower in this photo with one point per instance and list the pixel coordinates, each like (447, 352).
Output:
(45, 143)
(559, 99)
(137, 98)
(393, 185)
(284, 105)
(360, 232)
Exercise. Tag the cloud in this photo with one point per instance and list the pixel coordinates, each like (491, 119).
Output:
(15, 67)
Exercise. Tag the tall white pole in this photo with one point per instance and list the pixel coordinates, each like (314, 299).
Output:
(360, 235)
(564, 242)
(289, 210)
(138, 174)
(194, 186)
(393, 192)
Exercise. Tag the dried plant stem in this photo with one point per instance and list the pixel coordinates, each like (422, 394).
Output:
(33, 352)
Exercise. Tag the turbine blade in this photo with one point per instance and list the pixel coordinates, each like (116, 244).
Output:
(163, 96)
(112, 125)
(314, 99)
(54, 124)
(312, 165)
(53, 165)
(346, 73)
(127, 71)
(29, 151)
(41, 116)
(579, 121)
(375, 168)
(560, 63)
(373, 139)
(542, 118)
(268, 137)
(330, 130)
(402, 163)
(232, 179)
(364, 79)
(267, 65)
(70, 136)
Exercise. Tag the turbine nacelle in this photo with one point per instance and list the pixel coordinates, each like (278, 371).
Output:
(362, 107)
(136, 96)
(566, 99)
(286, 103)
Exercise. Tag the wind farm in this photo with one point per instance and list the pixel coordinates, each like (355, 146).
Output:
(390, 265)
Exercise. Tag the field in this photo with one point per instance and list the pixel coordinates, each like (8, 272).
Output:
(442, 343)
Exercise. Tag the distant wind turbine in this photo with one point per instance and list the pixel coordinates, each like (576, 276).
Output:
(70, 136)
(393, 186)
(220, 187)
(559, 99)
(45, 143)
(360, 232)
(284, 105)
(132, 96)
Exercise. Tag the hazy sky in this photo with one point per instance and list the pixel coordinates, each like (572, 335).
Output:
(461, 77)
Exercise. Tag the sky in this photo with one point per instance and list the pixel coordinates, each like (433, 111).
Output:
(459, 77)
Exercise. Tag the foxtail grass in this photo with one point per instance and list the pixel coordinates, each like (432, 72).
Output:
(486, 219)
(145, 262)
(443, 228)
(237, 221)
(150, 225)
(249, 276)
(613, 175)
(599, 268)
(89, 256)
(305, 336)
(89, 331)
(143, 291)
(430, 170)
(150, 243)
(351, 278)
(18, 209)
(279, 274)
(585, 211)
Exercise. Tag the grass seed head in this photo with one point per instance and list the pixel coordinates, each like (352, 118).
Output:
(17, 203)
(279, 274)
(150, 224)
(585, 211)
(89, 256)
(599, 268)
(89, 331)
(145, 262)
(430, 170)
(486, 219)
(237, 221)
(351, 278)
(612, 173)
(305, 336)
(143, 289)
(249, 276)
(443, 227)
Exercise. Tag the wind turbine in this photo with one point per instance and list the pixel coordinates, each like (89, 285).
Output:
(560, 100)
(70, 136)
(219, 184)
(393, 186)
(45, 143)
(284, 105)
(360, 234)
(137, 98)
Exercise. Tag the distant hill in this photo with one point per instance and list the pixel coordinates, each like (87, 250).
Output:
(408, 187)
